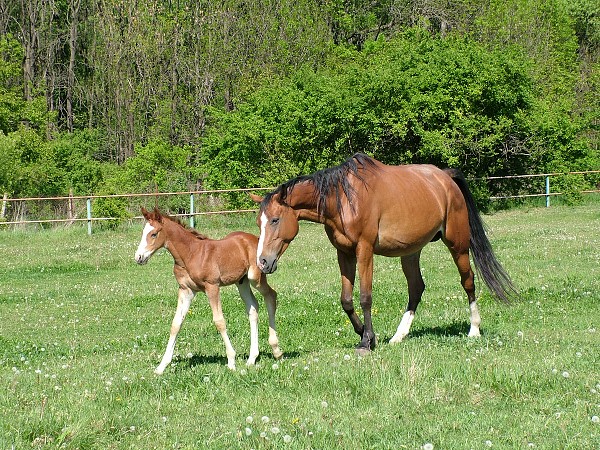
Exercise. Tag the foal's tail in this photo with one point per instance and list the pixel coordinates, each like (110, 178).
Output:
(488, 267)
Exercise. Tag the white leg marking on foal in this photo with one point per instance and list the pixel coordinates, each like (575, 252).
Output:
(475, 320)
(404, 327)
(261, 239)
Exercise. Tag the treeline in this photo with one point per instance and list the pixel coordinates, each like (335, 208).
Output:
(111, 96)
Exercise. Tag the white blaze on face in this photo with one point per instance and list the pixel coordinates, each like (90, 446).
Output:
(261, 239)
(140, 254)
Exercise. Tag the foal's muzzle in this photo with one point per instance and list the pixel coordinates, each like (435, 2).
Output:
(141, 258)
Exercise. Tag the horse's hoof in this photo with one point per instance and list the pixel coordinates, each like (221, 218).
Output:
(362, 351)
(278, 354)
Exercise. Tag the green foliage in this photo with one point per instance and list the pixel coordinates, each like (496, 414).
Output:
(414, 99)
(37, 167)
(14, 110)
(11, 101)
(156, 167)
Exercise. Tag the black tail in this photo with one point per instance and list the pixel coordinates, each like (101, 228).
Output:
(488, 267)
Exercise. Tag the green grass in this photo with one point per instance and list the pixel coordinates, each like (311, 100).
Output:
(82, 327)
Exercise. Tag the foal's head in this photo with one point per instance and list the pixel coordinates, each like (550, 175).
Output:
(278, 224)
(153, 236)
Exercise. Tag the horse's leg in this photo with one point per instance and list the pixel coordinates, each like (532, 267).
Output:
(416, 286)
(252, 311)
(364, 254)
(347, 265)
(259, 281)
(467, 279)
(184, 300)
(214, 299)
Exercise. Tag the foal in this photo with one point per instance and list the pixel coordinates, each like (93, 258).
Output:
(204, 265)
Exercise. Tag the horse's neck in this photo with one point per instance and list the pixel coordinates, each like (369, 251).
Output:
(178, 242)
(303, 199)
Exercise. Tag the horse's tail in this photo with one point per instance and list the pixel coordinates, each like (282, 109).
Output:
(486, 264)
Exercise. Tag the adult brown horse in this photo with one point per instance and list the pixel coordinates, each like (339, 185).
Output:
(370, 208)
(204, 265)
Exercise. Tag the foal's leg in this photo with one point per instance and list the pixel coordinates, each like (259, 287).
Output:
(214, 299)
(184, 299)
(252, 311)
(416, 287)
(347, 265)
(259, 281)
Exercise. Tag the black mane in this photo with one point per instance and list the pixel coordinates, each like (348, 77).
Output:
(333, 179)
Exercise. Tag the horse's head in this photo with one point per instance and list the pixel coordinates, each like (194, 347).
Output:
(278, 224)
(152, 236)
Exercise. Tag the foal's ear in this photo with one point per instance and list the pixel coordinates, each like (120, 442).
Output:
(157, 214)
(256, 198)
(145, 213)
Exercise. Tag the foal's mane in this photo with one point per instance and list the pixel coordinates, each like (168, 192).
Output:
(333, 180)
(175, 220)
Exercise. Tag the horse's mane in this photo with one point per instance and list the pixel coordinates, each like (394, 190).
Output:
(328, 181)
(185, 227)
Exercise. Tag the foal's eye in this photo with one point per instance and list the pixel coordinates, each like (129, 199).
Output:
(274, 220)
(153, 235)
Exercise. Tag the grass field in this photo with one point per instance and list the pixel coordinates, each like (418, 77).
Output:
(82, 327)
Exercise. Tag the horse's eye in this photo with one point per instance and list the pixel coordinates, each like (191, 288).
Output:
(153, 235)
(274, 220)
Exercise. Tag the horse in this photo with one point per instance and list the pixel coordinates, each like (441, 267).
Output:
(204, 265)
(370, 208)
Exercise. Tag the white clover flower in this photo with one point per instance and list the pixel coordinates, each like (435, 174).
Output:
(346, 357)
(324, 404)
(566, 374)
(428, 446)
(275, 430)
(248, 431)
(265, 419)
(275, 366)
(249, 419)
(287, 438)
(595, 419)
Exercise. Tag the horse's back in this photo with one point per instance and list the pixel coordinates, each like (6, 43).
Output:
(410, 205)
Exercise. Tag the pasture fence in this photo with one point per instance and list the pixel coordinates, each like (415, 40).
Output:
(113, 208)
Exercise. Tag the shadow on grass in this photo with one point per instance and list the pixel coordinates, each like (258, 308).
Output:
(453, 330)
(199, 360)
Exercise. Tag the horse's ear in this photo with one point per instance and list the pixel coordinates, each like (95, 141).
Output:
(256, 198)
(145, 213)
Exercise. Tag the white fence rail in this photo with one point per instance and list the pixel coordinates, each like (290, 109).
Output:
(201, 202)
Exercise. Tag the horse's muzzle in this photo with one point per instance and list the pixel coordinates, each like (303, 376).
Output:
(267, 265)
